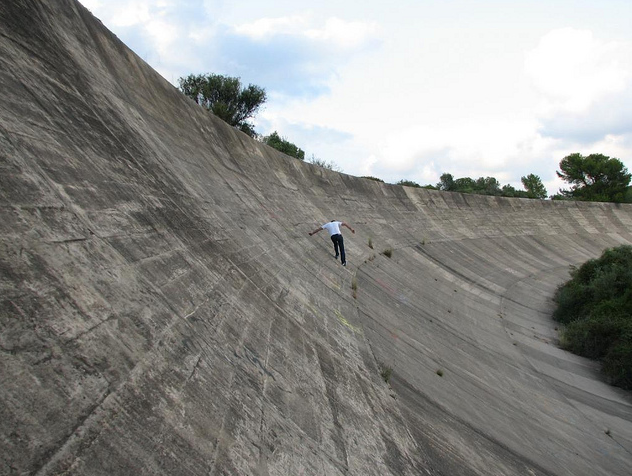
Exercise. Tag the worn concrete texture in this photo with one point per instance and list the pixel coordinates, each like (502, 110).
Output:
(164, 311)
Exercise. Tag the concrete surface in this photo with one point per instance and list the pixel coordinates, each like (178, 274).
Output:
(164, 310)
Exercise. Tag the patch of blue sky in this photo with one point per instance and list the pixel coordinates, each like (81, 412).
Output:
(285, 64)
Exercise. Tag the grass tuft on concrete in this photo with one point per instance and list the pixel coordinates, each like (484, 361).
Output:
(385, 372)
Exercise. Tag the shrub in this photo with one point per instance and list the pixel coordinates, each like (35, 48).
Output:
(370, 242)
(617, 363)
(408, 183)
(388, 252)
(324, 164)
(225, 97)
(285, 146)
(385, 372)
(372, 178)
(595, 307)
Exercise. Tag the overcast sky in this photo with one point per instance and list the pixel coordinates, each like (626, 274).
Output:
(410, 89)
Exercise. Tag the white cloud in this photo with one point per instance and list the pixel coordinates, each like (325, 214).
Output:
(201, 34)
(344, 34)
(573, 69)
(132, 13)
(584, 86)
(163, 34)
(407, 96)
(92, 5)
(266, 27)
(478, 148)
(407, 124)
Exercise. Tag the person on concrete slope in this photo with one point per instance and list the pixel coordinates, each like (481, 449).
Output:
(333, 227)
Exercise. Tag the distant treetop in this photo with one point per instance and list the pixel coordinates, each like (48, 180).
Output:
(283, 145)
(408, 183)
(491, 186)
(596, 177)
(225, 97)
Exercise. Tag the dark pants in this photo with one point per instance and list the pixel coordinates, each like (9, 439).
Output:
(339, 243)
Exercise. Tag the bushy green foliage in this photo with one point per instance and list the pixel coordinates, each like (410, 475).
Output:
(533, 186)
(285, 146)
(372, 178)
(596, 178)
(509, 191)
(225, 97)
(596, 308)
(324, 164)
(490, 186)
(408, 183)
(446, 183)
(385, 372)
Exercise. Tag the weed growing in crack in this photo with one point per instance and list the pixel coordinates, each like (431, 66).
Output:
(385, 372)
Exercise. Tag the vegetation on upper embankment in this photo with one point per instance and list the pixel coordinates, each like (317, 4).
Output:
(595, 177)
(595, 307)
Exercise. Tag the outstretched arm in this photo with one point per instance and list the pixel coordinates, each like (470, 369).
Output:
(344, 224)
(315, 231)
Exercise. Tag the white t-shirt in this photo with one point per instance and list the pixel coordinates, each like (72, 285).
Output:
(333, 227)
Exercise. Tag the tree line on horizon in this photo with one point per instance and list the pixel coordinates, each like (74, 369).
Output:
(595, 177)
(481, 186)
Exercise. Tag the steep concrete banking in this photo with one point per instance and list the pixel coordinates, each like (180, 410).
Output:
(465, 324)
(164, 312)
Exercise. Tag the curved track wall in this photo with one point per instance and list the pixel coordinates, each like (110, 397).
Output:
(164, 311)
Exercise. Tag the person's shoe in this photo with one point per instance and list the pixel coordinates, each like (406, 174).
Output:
(336, 256)
(344, 264)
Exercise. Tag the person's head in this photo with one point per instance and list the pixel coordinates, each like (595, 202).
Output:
(333, 221)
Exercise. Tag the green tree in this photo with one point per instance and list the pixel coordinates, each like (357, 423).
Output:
(408, 183)
(595, 177)
(282, 144)
(534, 186)
(487, 186)
(465, 185)
(446, 183)
(491, 186)
(509, 191)
(225, 97)
(558, 196)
